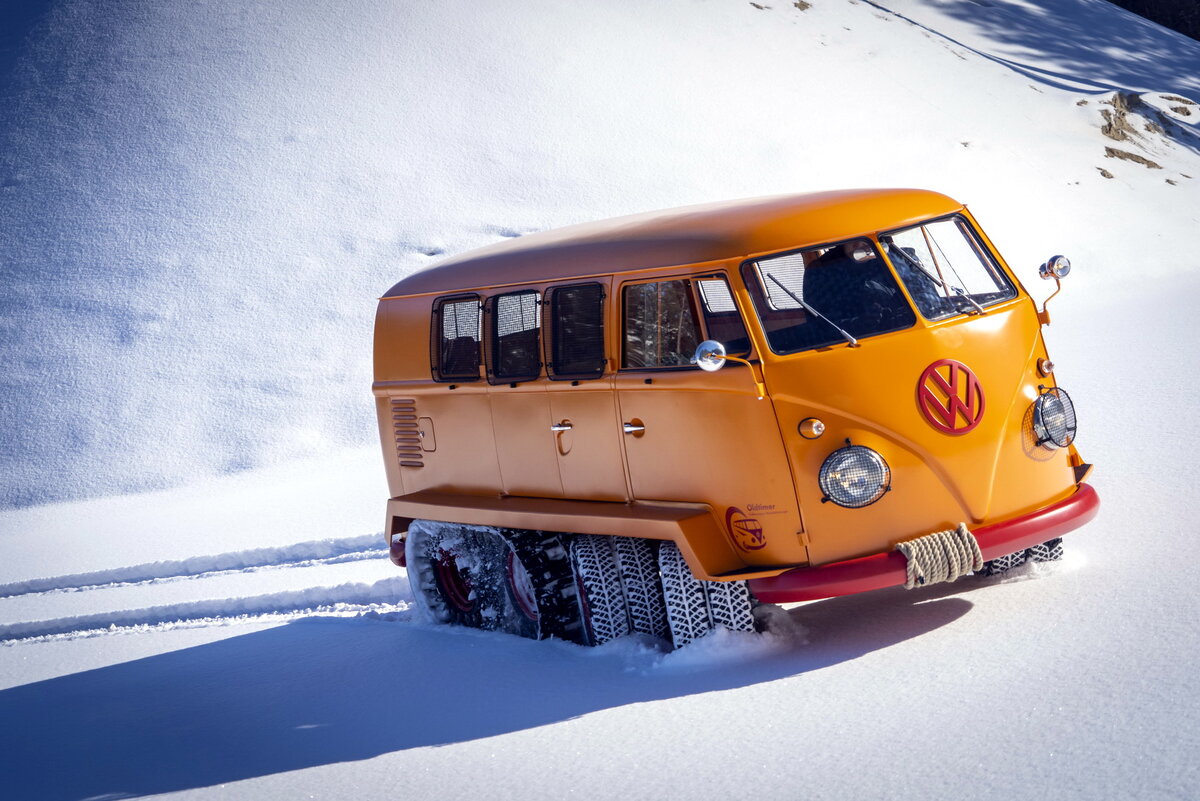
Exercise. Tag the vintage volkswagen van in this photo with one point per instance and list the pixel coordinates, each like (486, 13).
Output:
(655, 423)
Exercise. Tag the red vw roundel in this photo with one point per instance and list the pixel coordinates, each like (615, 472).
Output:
(950, 397)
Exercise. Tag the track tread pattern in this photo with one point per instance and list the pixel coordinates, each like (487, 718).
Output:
(1003, 564)
(687, 603)
(637, 560)
(599, 575)
(730, 604)
(1049, 551)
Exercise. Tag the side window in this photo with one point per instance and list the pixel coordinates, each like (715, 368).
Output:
(515, 320)
(721, 318)
(575, 335)
(660, 325)
(455, 339)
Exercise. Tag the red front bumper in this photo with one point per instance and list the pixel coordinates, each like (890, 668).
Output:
(890, 569)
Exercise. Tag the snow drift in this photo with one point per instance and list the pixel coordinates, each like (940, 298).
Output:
(199, 202)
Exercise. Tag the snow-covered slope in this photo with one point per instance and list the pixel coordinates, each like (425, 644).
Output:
(198, 205)
(199, 202)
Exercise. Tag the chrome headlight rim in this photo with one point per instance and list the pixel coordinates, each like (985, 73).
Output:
(854, 477)
(1054, 420)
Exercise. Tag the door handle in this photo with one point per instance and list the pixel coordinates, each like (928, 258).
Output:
(563, 426)
(630, 428)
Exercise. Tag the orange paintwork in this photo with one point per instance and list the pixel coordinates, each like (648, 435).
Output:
(716, 469)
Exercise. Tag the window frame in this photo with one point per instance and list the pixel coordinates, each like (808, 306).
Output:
(491, 338)
(437, 339)
(735, 312)
(550, 336)
(976, 241)
(750, 267)
(699, 315)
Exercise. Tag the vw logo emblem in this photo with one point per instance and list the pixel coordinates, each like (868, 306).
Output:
(950, 397)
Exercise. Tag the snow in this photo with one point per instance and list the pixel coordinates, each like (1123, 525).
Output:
(199, 204)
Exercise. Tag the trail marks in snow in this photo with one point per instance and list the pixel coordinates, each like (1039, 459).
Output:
(147, 596)
(303, 554)
(344, 600)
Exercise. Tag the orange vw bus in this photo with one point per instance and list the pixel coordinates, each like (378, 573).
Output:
(656, 423)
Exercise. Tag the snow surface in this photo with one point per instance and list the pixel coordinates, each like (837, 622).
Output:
(199, 203)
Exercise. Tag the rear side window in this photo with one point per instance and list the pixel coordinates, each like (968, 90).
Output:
(575, 335)
(513, 329)
(455, 339)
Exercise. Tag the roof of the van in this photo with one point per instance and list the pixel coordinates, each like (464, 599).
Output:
(688, 235)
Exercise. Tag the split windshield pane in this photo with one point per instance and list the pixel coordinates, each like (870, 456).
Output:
(824, 296)
(946, 268)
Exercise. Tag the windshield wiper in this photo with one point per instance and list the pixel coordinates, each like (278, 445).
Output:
(853, 342)
(897, 250)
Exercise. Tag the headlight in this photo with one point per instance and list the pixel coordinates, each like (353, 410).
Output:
(1054, 418)
(855, 476)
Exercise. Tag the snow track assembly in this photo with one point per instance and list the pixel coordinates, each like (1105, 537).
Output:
(651, 425)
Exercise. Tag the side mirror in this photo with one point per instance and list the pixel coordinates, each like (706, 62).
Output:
(710, 356)
(1057, 268)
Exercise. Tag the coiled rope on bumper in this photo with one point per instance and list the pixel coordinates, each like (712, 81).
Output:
(940, 556)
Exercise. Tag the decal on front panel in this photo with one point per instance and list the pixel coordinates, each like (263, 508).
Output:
(745, 531)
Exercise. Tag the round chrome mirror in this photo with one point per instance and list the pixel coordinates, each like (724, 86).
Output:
(1055, 267)
(710, 356)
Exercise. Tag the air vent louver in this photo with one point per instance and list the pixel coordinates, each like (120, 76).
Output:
(407, 431)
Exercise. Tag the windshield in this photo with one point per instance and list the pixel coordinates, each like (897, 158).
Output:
(946, 268)
(823, 296)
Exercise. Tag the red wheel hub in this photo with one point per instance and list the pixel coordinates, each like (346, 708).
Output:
(455, 586)
(522, 587)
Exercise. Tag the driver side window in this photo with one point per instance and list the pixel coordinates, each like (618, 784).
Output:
(660, 328)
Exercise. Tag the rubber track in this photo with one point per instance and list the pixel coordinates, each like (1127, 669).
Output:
(637, 560)
(1050, 551)
(730, 605)
(549, 567)
(687, 603)
(481, 551)
(597, 570)
(1003, 564)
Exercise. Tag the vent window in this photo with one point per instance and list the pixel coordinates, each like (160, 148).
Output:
(721, 318)
(516, 319)
(455, 339)
(575, 339)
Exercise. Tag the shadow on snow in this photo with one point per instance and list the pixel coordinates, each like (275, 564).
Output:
(1077, 45)
(333, 690)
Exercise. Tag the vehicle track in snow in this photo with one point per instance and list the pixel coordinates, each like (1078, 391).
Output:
(302, 554)
(336, 577)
